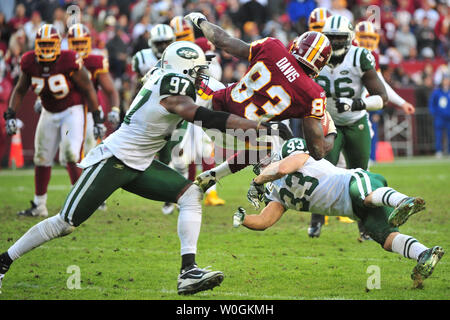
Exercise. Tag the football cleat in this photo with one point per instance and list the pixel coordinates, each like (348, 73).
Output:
(314, 229)
(212, 199)
(194, 279)
(34, 211)
(405, 209)
(103, 206)
(426, 263)
(206, 180)
(364, 237)
(3, 269)
(168, 208)
(345, 219)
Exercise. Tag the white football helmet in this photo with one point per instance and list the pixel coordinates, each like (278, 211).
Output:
(186, 58)
(340, 32)
(161, 36)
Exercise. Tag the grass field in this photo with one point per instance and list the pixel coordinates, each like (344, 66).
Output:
(131, 251)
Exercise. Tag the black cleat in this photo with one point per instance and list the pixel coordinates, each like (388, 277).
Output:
(194, 279)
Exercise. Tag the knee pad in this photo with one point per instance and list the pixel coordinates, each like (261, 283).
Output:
(55, 227)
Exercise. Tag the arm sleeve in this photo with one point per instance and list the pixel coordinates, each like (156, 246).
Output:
(392, 95)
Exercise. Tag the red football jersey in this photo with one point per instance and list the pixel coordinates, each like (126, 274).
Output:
(52, 82)
(96, 64)
(275, 87)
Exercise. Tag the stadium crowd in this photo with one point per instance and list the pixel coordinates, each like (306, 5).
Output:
(414, 34)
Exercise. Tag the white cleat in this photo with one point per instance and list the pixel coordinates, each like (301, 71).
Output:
(168, 208)
(34, 211)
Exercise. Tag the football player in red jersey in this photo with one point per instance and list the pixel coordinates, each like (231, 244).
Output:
(317, 18)
(278, 85)
(79, 40)
(59, 78)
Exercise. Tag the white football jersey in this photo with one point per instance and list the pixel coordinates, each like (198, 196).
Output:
(345, 81)
(147, 125)
(318, 186)
(143, 61)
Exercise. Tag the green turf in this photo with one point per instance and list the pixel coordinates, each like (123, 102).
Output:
(131, 251)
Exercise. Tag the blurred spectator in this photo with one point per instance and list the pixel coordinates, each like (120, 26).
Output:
(19, 18)
(7, 8)
(117, 53)
(423, 92)
(255, 11)
(405, 42)
(108, 33)
(299, 11)
(4, 34)
(59, 21)
(143, 25)
(31, 27)
(439, 107)
(251, 32)
(12, 59)
(441, 71)
(340, 7)
(141, 42)
(425, 37)
(101, 10)
(403, 15)
(275, 30)
(426, 10)
(442, 29)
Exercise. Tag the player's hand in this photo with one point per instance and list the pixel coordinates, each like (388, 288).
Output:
(99, 130)
(114, 116)
(196, 18)
(255, 194)
(284, 132)
(38, 106)
(238, 217)
(11, 122)
(99, 127)
(346, 104)
(408, 108)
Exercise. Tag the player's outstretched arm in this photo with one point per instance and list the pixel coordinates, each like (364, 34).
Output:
(395, 98)
(19, 92)
(376, 89)
(185, 107)
(84, 84)
(267, 218)
(219, 37)
(279, 169)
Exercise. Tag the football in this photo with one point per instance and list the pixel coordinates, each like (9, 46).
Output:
(325, 122)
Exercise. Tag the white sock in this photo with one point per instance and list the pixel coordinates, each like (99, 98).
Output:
(407, 246)
(222, 170)
(213, 188)
(190, 219)
(387, 197)
(40, 200)
(38, 234)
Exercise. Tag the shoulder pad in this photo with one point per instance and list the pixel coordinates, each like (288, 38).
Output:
(174, 84)
(293, 145)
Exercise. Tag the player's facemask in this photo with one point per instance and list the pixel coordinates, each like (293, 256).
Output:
(80, 45)
(200, 74)
(368, 40)
(47, 50)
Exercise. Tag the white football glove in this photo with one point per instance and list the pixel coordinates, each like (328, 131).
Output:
(11, 127)
(238, 217)
(255, 194)
(99, 130)
(38, 106)
(114, 116)
(196, 18)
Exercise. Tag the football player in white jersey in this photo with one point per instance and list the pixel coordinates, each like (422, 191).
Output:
(296, 181)
(126, 160)
(350, 71)
(161, 36)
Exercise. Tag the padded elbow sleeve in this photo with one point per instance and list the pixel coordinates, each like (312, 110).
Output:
(212, 119)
